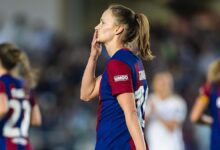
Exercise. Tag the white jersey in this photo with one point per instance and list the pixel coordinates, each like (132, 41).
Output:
(158, 136)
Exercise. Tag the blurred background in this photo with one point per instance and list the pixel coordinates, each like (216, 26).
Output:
(56, 34)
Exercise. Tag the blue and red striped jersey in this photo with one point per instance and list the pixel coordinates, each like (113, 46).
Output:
(14, 125)
(212, 91)
(124, 73)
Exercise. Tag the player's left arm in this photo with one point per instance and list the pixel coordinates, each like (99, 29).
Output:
(36, 116)
(120, 79)
(127, 103)
(4, 107)
(36, 119)
(3, 104)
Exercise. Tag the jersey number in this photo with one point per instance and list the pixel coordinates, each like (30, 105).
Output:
(10, 129)
(141, 99)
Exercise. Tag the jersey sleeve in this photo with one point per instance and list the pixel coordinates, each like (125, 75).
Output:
(2, 87)
(32, 99)
(205, 89)
(119, 76)
(204, 92)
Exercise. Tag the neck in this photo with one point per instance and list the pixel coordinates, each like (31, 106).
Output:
(164, 95)
(2, 71)
(112, 47)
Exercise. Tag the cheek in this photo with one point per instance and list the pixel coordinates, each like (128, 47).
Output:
(106, 33)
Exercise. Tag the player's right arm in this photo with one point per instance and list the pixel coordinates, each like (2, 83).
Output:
(3, 104)
(90, 84)
(198, 108)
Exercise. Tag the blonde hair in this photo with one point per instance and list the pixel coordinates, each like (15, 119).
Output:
(12, 57)
(137, 29)
(214, 71)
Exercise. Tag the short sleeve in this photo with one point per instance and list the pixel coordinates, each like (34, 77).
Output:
(2, 87)
(119, 76)
(204, 93)
(32, 99)
(205, 89)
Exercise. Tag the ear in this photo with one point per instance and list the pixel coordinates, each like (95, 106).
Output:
(119, 29)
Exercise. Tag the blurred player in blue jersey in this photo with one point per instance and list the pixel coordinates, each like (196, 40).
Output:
(122, 88)
(210, 98)
(18, 108)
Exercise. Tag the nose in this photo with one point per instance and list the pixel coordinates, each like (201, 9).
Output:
(97, 27)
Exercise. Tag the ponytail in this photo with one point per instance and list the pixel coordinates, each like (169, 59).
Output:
(26, 71)
(143, 37)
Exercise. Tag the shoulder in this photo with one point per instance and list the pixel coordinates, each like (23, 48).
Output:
(10, 78)
(152, 96)
(18, 82)
(117, 64)
(2, 86)
(2, 80)
(178, 100)
(125, 55)
(3, 83)
(118, 70)
(205, 89)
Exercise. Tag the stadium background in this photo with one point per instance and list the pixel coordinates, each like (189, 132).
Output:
(56, 34)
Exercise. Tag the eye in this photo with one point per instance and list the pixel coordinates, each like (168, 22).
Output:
(102, 22)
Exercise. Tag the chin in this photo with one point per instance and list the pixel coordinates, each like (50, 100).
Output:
(100, 40)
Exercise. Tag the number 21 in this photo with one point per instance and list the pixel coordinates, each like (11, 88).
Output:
(9, 129)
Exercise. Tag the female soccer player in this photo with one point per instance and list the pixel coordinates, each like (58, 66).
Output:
(18, 108)
(122, 88)
(210, 98)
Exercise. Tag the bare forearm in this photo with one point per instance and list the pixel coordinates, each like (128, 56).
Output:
(89, 79)
(135, 130)
(198, 108)
(36, 119)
